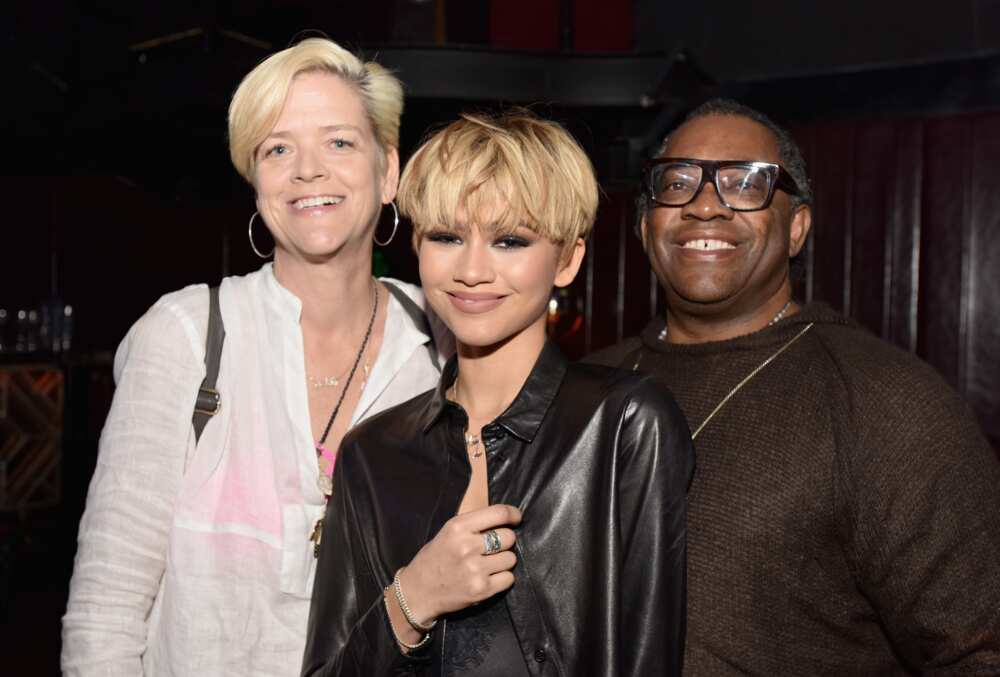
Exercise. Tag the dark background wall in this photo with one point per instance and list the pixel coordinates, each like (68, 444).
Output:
(117, 186)
(739, 41)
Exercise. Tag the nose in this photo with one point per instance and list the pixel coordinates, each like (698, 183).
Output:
(706, 205)
(475, 263)
(308, 167)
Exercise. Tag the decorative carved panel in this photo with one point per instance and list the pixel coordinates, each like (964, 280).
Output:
(31, 426)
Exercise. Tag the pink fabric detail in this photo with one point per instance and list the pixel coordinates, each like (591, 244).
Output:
(329, 456)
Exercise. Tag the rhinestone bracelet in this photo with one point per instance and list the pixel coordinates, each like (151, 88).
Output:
(414, 623)
(408, 647)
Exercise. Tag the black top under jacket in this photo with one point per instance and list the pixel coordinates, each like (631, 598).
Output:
(598, 460)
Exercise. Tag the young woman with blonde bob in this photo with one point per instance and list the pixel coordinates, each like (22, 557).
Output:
(195, 556)
(528, 516)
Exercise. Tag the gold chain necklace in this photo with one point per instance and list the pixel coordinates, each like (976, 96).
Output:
(746, 379)
(317, 382)
(749, 376)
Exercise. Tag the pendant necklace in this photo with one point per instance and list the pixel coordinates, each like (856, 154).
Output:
(324, 381)
(324, 457)
(473, 443)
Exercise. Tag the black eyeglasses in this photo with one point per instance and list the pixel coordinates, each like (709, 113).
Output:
(741, 186)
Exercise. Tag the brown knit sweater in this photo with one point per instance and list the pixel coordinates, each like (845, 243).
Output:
(844, 517)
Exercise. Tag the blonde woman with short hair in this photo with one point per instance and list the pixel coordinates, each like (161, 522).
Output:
(196, 556)
(529, 515)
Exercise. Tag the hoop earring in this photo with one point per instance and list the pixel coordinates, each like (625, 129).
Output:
(250, 235)
(395, 225)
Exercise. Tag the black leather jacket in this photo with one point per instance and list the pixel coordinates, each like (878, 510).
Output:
(599, 462)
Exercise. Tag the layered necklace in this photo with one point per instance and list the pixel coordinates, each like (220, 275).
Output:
(325, 458)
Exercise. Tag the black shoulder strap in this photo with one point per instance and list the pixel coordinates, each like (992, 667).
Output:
(418, 317)
(209, 401)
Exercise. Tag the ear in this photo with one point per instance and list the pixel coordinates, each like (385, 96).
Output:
(801, 224)
(390, 182)
(570, 262)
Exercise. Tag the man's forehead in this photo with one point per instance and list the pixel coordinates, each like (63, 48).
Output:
(723, 137)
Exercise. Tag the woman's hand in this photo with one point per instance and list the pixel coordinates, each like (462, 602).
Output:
(453, 571)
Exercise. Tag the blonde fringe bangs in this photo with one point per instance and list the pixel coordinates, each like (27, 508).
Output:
(500, 173)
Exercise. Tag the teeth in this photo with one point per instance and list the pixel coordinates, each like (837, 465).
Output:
(708, 245)
(307, 202)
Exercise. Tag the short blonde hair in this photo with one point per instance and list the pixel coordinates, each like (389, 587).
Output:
(529, 169)
(258, 100)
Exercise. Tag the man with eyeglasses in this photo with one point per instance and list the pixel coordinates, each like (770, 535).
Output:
(844, 518)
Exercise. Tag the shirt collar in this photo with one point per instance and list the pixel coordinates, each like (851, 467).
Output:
(286, 304)
(525, 414)
(401, 338)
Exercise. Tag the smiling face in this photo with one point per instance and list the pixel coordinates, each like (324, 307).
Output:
(710, 259)
(320, 177)
(493, 287)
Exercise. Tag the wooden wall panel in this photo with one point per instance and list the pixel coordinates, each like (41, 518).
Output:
(899, 323)
(873, 166)
(802, 280)
(982, 347)
(833, 214)
(944, 215)
(639, 282)
(604, 277)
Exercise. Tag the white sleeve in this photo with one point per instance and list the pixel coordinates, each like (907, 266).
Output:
(122, 545)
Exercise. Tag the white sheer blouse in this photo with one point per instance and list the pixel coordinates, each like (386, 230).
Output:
(197, 561)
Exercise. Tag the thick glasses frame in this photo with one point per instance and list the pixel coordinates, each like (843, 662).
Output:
(778, 177)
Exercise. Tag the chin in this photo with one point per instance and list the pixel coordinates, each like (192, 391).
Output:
(704, 291)
(702, 297)
(472, 338)
(321, 247)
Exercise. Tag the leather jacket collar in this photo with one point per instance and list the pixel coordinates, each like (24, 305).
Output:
(525, 414)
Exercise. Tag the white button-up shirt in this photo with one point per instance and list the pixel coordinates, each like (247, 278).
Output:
(197, 561)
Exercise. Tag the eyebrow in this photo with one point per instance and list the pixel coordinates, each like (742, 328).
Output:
(324, 129)
(489, 229)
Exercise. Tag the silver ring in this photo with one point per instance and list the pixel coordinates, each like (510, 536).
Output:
(492, 541)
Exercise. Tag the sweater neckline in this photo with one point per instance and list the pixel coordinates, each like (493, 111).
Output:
(817, 313)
